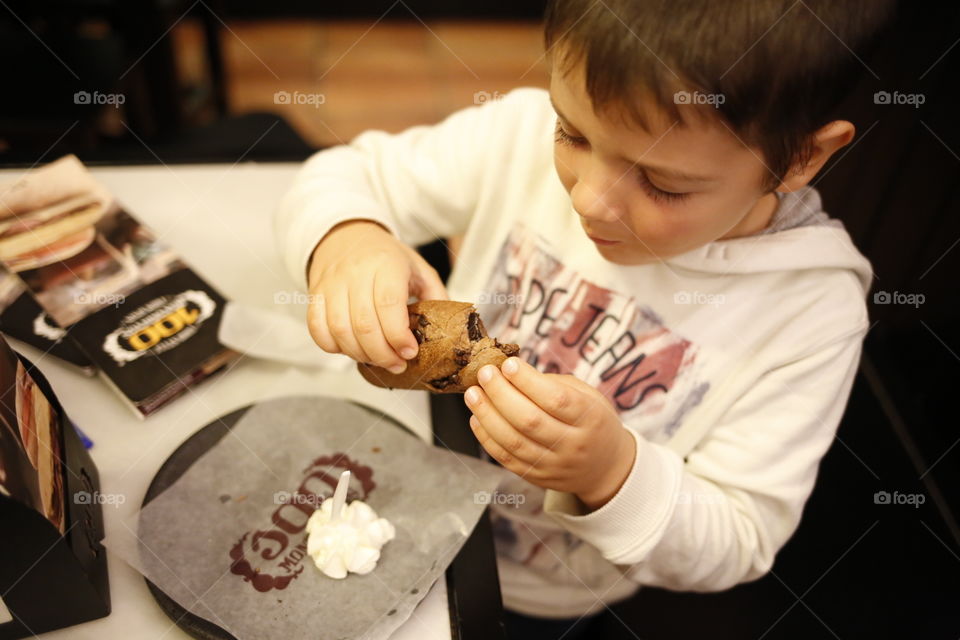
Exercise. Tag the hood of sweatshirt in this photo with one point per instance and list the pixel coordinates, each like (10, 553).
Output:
(801, 236)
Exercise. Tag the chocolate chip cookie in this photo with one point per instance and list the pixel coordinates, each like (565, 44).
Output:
(453, 347)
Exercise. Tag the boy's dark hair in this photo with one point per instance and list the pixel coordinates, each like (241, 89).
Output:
(781, 66)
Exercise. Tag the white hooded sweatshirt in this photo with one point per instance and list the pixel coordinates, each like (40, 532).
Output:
(730, 364)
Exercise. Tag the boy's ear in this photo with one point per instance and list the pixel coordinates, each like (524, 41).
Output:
(826, 141)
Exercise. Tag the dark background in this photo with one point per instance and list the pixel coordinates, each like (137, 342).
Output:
(855, 569)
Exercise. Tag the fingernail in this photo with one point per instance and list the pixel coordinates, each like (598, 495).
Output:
(511, 366)
(397, 368)
(485, 373)
(408, 352)
(472, 395)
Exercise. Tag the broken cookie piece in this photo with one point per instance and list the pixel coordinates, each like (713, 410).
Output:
(453, 347)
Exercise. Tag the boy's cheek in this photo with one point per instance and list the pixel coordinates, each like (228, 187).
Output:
(674, 232)
(564, 166)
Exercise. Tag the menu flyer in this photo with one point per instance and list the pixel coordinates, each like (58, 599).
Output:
(130, 304)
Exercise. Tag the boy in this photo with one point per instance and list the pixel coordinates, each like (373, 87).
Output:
(690, 320)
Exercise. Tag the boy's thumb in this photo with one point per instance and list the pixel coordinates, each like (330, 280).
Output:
(427, 285)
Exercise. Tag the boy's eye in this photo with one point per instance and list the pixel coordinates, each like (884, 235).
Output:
(657, 193)
(563, 137)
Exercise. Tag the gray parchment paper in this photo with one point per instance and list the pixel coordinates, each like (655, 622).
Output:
(227, 539)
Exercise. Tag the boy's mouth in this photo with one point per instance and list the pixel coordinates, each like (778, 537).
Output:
(602, 242)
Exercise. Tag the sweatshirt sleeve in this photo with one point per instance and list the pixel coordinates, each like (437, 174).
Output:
(421, 184)
(719, 518)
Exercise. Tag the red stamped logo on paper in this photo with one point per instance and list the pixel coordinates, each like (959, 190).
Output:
(272, 558)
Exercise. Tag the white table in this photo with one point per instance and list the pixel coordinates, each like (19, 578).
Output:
(219, 217)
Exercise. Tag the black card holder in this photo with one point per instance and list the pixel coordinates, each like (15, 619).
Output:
(51, 580)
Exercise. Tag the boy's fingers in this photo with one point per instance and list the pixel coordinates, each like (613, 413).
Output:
(517, 409)
(559, 400)
(425, 281)
(510, 440)
(390, 298)
(317, 324)
(435, 292)
(367, 329)
(499, 454)
(490, 445)
(340, 324)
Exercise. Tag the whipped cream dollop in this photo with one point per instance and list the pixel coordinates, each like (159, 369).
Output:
(351, 543)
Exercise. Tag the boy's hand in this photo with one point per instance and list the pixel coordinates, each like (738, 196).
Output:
(360, 278)
(554, 430)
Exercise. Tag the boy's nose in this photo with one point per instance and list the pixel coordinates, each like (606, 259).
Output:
(595, 202)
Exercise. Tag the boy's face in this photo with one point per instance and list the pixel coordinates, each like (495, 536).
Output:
(654, 194)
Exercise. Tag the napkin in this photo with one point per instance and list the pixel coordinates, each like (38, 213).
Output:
(272, 335)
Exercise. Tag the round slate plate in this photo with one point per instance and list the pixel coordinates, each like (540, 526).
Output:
(170, 471)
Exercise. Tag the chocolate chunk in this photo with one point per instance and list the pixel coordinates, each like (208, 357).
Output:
(461, 357)
(509, 349)
(443, 383)
(418, 330)
(473, 327)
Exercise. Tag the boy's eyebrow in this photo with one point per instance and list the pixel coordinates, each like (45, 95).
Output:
(661, 171)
